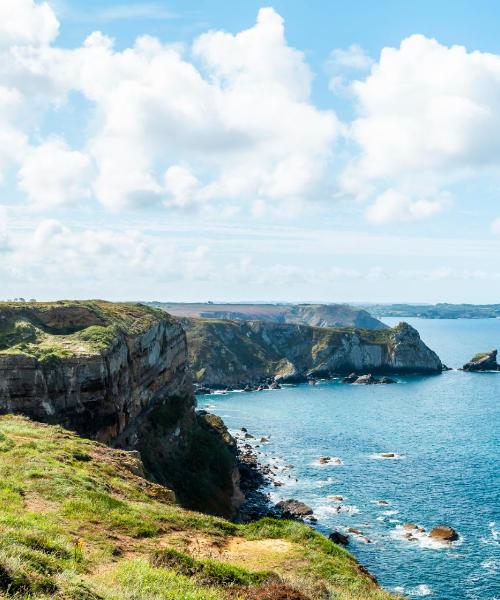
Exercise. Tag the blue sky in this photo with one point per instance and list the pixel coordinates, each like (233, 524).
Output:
(326, 151)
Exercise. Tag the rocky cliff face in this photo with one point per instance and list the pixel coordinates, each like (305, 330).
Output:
(118, 374)
(229, 353)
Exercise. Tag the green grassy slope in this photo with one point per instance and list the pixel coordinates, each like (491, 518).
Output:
(78, 522)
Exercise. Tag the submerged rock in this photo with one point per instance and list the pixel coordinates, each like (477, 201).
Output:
(484, 361)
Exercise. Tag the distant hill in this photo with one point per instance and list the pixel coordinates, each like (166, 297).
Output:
(316, 315)
(435, 311)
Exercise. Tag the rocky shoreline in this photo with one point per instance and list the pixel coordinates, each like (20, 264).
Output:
(255, 476)
(273, 384)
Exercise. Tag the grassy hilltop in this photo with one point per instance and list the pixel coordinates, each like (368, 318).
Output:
(69, 328)
(79, 522)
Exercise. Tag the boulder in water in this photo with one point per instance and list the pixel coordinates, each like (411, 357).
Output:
(444, 533)
(294, 509)
(338, 538)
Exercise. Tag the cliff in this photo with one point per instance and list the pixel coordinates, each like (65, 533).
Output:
(80, 522)
(232, 353)
(116, 373)
(316, 315)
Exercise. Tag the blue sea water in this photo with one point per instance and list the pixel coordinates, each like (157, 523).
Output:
(444, 430)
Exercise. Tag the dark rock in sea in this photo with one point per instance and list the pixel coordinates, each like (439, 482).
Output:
(351, 378)
(388, 455)
(444, 533)
(244, 429)
(338, 538)
(445, 368)
(386, 380)
(484, 361)
(324, 460)
(294, 509)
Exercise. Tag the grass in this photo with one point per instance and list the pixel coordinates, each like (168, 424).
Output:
(55, 331)
(479, 356)
(76, 524)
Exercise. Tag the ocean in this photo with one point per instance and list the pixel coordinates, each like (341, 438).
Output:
(444, 433)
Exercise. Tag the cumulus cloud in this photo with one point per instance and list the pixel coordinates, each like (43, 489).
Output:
(242, 124)
(393, 205)
(427, 112)
(53, 175)
(24, 22)
(234, 122)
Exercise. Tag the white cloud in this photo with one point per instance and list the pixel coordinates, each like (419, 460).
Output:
(353, 57)
(182, 185)
(53, 175)
(343, 64)
(25, 22)
(427, 112)
(243, 125)
(393, 205)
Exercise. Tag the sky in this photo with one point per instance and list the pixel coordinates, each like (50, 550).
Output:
(326, 151)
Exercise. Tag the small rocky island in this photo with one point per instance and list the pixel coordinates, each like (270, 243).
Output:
(483, 361)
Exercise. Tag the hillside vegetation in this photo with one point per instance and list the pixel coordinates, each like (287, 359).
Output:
(78, 521)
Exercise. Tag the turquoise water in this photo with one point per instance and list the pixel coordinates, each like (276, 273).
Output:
(445, 431)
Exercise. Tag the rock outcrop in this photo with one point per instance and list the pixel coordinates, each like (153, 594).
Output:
(117, 373)
(234, 353)
(484, 361)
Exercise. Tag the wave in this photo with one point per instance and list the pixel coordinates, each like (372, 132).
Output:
(348, 509)
(420, 590)
(387, 456)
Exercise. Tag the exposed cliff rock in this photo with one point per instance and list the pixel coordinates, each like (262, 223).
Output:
(231, 353)
(316, 315)
(116, 373)
(484, 361)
